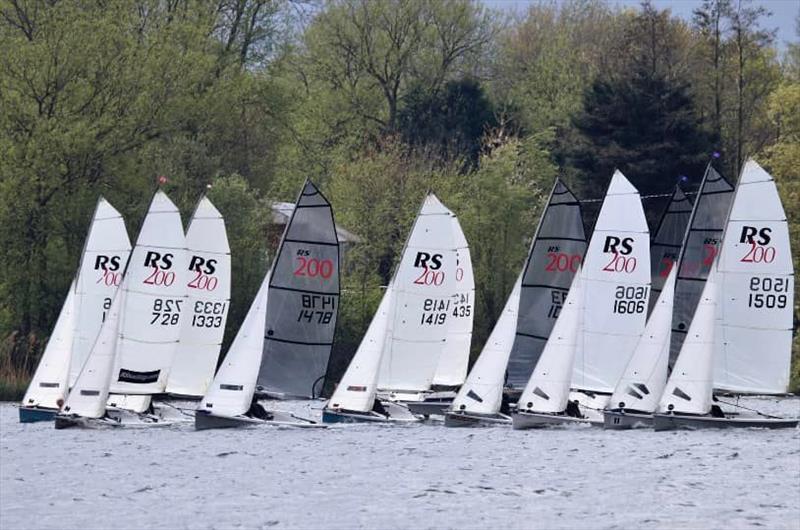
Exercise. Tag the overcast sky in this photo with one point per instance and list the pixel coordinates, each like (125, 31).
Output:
(784, 12)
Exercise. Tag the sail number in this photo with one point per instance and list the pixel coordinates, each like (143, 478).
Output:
(557, 299)
(461, 306)
(208, 314)
(313, 267)
(434, 311)
(317, 308)
(166, 312)
(765, 293)
(630, 300)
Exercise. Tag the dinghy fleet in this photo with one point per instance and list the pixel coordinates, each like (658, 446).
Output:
(622, 329)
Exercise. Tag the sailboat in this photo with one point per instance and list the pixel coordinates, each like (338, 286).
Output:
(454, 360)
(105, 254)
(700, 247)
(611, 308)
(740, 338)
(285, 340)
(400, 352)
(130, 363)
(636, 396)
(553, 259)
(667, 241)
(203, 324)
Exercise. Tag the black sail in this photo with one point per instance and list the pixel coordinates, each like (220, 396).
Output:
(303, 300)
(700, 246)
(665, 247)
(556, 252)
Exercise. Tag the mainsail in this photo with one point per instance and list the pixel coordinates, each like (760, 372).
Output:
(452, 369)
(49, 384)
(155, 295)
(105, 255)
(756, 278)
(616, 284)
(665, 247)
(555, 254)
(422, 307)
(303, 300)
(209, 290)
(700, 247)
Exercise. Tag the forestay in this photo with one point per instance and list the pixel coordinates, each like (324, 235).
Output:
(548, 388)
(303, 300)
(700, 247)
(616, 282)
(155, 285)
(88, 395)
(756, 277)
(555, 254)
(423, 285)
(689, 388)
(49, 384)
(105, 255)
(482, 392)
(665, 246)
(645, 375)
(357, 389)
(452, 369)
(208, 285)
(231, 391)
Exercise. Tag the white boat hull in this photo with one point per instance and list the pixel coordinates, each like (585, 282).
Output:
(536, 420)
(204, 421)
(471, 419)
(620, 420)
(668, 422)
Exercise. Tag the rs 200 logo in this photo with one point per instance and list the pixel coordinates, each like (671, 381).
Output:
(161, 263)
(620, 248)
(759, 240)
(204, 270)
(430, 265)
(109, 265)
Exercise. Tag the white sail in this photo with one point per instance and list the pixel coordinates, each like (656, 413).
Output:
(453, 363)
(88, 396)
(356, 391)
(231, 391)
(482, 392)
(689, 388)
(756, 277)
(105, 254)
(616, 283)
(422, 284)
(49, 384)
(209, 291)
(548, 388)
(155, 296)
(643, 382)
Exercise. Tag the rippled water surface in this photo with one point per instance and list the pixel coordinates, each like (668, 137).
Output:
(420, 476)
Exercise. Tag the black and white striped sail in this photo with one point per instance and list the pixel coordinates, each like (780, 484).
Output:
(616, 283)
(358, 388)
(303, 300)
(49, 384)
(645, 375)
(89, 394)
(231, 391)
(105, 255)
(548, 388)
(700, 247)
(482, 392)
(690, 385)
(423, 286)
(453, 363)
(665, 246)
(555, 254)
(756, 278)
(208, 284)
(155, 296)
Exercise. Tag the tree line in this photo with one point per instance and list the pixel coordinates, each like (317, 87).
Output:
(377, 102)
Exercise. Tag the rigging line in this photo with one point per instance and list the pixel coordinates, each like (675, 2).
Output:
(651, 196)
(746, 408)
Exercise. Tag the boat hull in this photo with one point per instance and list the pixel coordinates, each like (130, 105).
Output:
(349, 416)
(669, 422)
(36, 414)
(429, 408)
(470, 419)
(63, 421)
(204, 421)
(619, 420)
(535, 420)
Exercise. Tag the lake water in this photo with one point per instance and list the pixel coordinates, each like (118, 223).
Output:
(381, 476)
